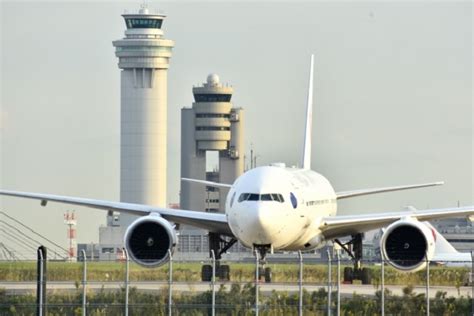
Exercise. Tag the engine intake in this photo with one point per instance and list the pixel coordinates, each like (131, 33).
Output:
(148, 240)
(406, 244)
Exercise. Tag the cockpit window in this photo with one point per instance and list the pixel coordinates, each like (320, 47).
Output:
(261, 197)
(278, 197)
(265, 197)
(244, 197)
(253, 197)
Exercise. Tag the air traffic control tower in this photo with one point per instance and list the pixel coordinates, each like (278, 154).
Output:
(144, 60)
(211, 124)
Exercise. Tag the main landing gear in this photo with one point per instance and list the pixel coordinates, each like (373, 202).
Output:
(354, 249)
(264, 273)
(219, 245)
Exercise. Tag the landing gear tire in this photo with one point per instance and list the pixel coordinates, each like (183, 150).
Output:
(224, 272)
(366, 276)
(261, 273)
(354, 250)
(218, 245)
(206, 273)
(348, 275)
(268, 275)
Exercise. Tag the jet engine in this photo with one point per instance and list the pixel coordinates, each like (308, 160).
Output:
(148, 240)
(407, 243)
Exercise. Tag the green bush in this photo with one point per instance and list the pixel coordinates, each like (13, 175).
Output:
(238, 300)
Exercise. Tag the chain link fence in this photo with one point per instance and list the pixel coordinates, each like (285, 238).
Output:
(301, 284)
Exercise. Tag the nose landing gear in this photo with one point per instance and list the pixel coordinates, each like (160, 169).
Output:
(264, 272)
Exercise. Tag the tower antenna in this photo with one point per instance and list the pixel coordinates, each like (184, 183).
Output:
(144, 7)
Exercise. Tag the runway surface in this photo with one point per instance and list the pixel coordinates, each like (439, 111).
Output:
(347, 290)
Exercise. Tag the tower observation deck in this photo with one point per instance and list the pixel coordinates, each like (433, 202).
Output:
(143, 56)
(212, 124)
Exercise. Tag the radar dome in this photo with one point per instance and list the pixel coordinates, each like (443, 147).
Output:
(213, 79)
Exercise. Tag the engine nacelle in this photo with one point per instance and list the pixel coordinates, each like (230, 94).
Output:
(148, 240)
(407, 243)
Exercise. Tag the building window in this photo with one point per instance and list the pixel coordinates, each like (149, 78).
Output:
(212, 97)
(108, 250)
(212, 115)
(212, 128)
(140, 23)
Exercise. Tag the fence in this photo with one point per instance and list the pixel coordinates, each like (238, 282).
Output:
(301, 285)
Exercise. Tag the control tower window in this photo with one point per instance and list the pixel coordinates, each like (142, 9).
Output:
(212, 128)
(137, 23)
(212, 115)
(212, 97)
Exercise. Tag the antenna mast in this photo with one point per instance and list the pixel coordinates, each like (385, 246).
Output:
(71, 222)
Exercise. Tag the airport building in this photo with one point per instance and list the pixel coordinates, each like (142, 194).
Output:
(457, 231)
(210, 125)
(144, 60)
(143, 57)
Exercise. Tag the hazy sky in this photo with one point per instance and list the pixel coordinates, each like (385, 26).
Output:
(393, 96)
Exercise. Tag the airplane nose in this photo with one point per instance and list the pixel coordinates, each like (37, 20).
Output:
(259, 223)
(264, 224)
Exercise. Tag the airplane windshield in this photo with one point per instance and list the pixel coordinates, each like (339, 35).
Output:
(253, 197)
(261, 197)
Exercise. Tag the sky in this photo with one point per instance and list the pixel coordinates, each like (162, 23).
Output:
(392, 105)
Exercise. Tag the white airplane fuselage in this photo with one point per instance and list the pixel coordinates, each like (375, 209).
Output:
(280, 207)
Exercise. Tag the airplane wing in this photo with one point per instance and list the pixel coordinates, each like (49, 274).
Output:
(340, 226)
(208, 183)
(212, 222)
(348, 194)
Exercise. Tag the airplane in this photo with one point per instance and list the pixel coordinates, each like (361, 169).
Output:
(276, 208)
